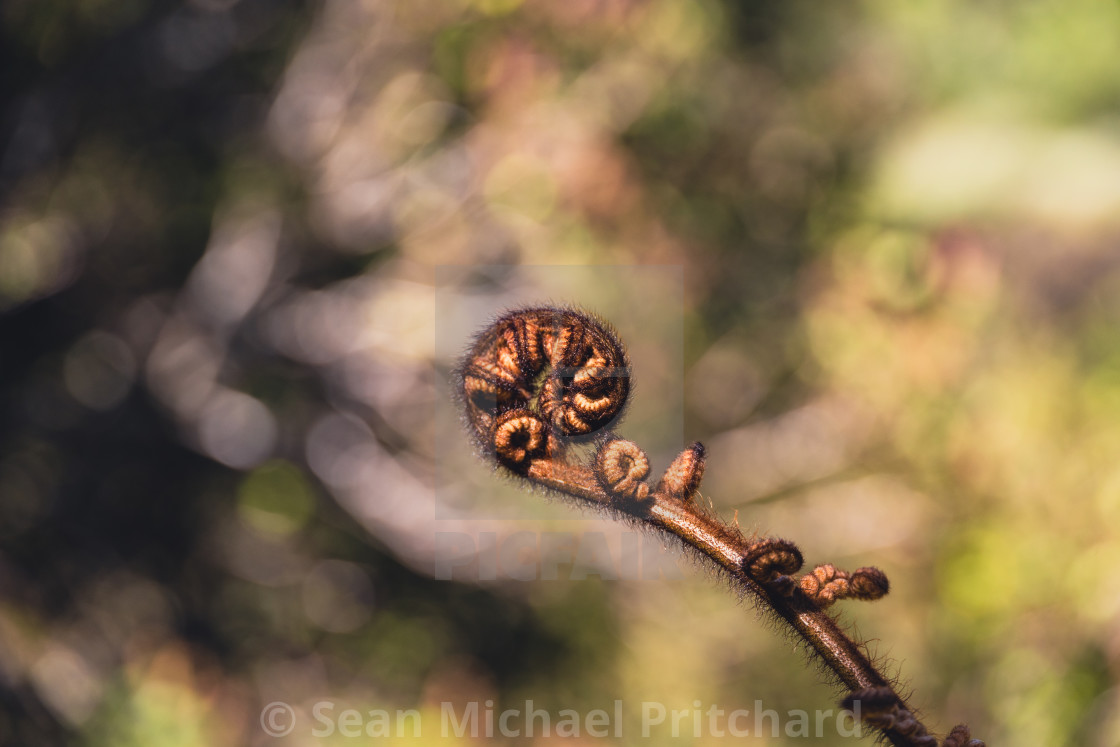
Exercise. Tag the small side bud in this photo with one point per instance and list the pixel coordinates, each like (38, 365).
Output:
(682, 479)
(621, 468)
(827, 584)
(868, 584)
(769, 560)
(824, 584)
(960, 736)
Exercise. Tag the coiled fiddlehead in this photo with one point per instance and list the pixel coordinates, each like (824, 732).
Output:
(539, 379)
(586, 374)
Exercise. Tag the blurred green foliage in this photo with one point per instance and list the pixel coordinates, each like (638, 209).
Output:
(225, 225)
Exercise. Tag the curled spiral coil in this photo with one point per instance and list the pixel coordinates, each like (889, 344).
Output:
(564, 373)
(518, 436)
(772, 561)
(827, 584)
(621, 468)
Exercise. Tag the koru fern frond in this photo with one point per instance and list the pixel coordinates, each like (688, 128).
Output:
(539, 380)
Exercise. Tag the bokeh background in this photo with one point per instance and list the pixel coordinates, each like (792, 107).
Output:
(878, 243)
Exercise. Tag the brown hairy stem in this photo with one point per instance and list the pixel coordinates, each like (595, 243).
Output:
(539, 379)
(726, 547)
